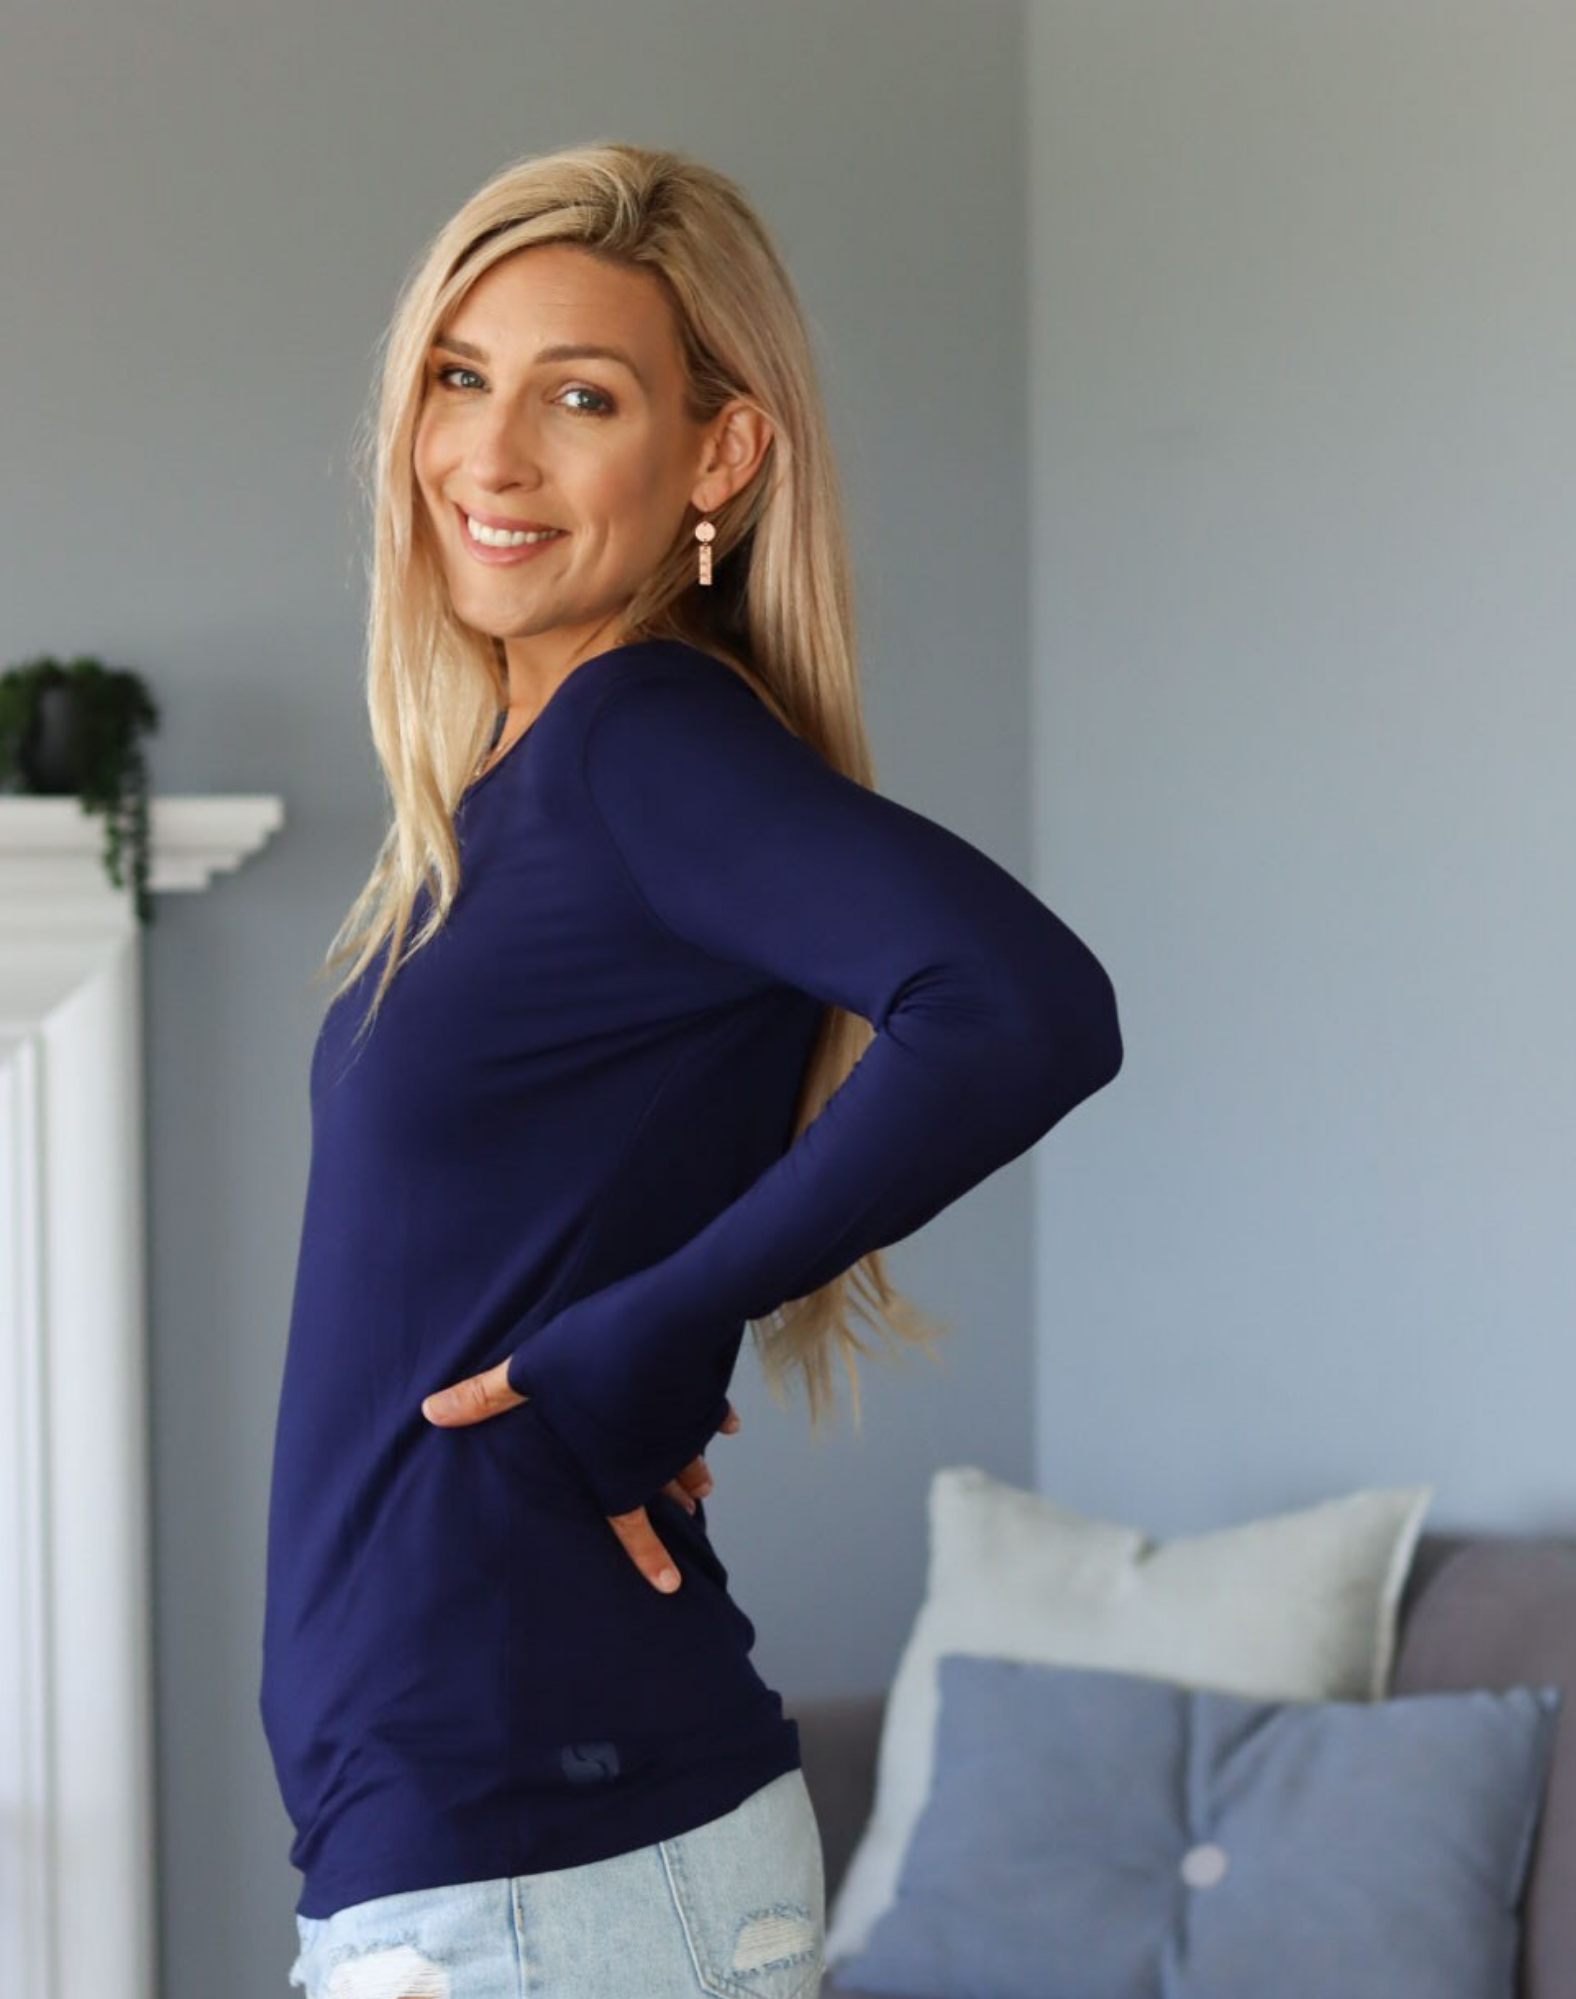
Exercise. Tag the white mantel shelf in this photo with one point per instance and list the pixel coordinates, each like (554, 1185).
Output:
(77, 1823)
(46, 844)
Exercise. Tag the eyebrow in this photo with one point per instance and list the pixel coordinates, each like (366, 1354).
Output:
(565, 350)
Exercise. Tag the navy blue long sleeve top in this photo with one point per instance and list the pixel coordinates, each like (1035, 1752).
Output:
(566, 1142)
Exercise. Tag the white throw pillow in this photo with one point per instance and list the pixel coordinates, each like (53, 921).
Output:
(1298, 1606)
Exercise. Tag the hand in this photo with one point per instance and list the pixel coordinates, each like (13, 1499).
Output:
(482, 1395)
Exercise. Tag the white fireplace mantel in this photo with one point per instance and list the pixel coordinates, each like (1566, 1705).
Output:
(78, 1887)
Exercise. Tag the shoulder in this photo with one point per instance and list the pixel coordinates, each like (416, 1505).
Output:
(644, 667)
(650, 718)
(678, 738)
(673, 696)
(662, 667)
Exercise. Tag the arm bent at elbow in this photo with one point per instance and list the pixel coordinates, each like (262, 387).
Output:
(992, 1021)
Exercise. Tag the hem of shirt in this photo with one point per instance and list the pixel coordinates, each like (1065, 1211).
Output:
(499, 1844)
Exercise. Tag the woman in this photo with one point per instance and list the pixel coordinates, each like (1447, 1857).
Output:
(657, 1020)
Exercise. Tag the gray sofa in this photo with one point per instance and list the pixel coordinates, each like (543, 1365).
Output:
(1478, 1611)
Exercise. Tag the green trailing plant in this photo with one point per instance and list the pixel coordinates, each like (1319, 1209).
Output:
(82, 727)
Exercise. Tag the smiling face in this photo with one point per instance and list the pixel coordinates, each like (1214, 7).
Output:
(516, 432)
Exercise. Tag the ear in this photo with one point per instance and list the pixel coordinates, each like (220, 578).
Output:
(736, 443)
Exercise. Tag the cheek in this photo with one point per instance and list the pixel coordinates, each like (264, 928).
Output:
(421, 441)
(631, 496)
(431, 447)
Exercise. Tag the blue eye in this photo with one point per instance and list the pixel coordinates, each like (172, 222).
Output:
(583, 389)
(454, 368)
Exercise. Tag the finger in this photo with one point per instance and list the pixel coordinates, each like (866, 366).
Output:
(692, 1483)
(730, 1422)
(640, 1540)
(696, 1477)
(473, 1400)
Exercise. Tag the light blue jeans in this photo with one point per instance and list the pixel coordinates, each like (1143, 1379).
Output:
(734, 1908)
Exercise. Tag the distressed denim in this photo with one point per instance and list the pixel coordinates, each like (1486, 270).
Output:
(734, 1908)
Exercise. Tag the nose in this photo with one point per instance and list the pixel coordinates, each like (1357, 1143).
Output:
(501, 448)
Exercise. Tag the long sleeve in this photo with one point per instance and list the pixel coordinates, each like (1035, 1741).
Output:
(993, 1020)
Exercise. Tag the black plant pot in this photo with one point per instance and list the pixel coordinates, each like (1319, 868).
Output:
(51, 757)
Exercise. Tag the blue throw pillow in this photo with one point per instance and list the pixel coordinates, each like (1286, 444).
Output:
(1100, 1835)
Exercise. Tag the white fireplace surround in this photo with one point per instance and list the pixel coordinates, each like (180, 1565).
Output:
(78, 1887)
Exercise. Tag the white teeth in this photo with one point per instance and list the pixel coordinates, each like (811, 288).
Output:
(507, 537)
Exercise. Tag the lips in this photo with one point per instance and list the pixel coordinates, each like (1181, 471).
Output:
(506, 554)
(498, 521)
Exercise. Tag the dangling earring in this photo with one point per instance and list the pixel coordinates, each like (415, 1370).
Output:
(705, 533)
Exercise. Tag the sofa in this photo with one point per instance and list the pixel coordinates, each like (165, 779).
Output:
(1477, 1610)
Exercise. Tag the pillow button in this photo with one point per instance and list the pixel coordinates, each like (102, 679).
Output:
(1204, 1866)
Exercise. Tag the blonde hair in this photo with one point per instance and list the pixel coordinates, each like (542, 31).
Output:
(780, 612)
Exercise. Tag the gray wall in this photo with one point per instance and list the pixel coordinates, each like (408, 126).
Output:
(205, 214)
(1302, 326)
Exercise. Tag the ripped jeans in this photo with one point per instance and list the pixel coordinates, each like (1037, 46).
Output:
(734, 1908)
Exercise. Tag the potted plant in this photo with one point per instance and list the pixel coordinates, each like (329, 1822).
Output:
(80, 727)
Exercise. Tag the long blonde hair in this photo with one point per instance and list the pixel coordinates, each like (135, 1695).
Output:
(780, 613)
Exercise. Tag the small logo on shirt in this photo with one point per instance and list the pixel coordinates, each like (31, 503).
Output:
(589, 1762)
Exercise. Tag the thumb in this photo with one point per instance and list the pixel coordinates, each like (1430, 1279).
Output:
(474, 1399)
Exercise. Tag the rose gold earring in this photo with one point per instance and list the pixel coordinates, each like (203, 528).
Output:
(705, 534)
